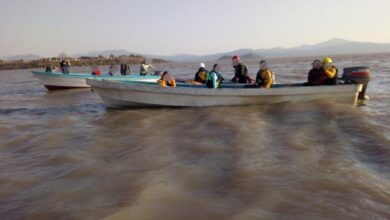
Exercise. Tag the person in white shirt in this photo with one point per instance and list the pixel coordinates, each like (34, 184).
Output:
(145, 68)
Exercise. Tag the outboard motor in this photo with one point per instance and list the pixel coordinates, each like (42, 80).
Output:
(357, 74)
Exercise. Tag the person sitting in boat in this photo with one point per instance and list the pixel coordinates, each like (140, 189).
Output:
(145, 68)
(96, 71)
(113, 70)
(240, 71)
(316, 75)
(167, 79)
(214, 78)
(50, 69)
(330, 72)
(264, 76)
(201, 74)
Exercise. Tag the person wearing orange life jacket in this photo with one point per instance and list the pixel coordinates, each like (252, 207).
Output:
(330, 72)
(264, 77)
(167, 80)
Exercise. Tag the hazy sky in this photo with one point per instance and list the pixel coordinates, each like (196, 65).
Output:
(48, 27)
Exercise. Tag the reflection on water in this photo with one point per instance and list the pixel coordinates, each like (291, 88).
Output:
(64, 156)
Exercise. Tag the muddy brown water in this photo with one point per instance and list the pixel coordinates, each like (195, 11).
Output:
(63, 155)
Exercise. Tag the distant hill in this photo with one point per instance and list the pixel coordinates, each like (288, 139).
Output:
(335, 46)
(244, 56)
(331, 47)
(105, 53)
(26, 57)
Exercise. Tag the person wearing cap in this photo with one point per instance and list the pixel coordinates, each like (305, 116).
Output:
(316, 75)
(240, 71)
(264, 76)
(201, 74)
(330, 72)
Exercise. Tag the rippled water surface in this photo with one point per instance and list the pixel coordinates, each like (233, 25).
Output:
(63, 155)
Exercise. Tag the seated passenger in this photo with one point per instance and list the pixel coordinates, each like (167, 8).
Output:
(240, 71)
(316, 75)
(264, 77)
(96, 71)
(167, 80)
(201, 75)
(330, 72)
(214, 78)
(49, 69)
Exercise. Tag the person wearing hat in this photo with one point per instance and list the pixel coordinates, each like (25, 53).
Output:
(264, 76)
(240, 71)
(330, 71)
(316, 75)
(201, 74)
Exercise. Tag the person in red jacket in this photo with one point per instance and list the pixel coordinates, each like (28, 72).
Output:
(96, 71)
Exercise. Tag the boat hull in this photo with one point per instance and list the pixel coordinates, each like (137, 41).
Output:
(117, 94)
(56, 81)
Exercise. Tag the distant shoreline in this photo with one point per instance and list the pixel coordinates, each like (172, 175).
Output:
(81, 61)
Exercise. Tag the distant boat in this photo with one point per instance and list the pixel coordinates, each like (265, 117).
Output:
(142, 94)
(58, 80)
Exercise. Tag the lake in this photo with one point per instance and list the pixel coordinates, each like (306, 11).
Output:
(63, 155)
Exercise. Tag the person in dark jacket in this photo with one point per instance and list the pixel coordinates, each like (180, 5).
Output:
(316, 75)
(201, 74)
(62, 64)
(124, 69)
(240, 71)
